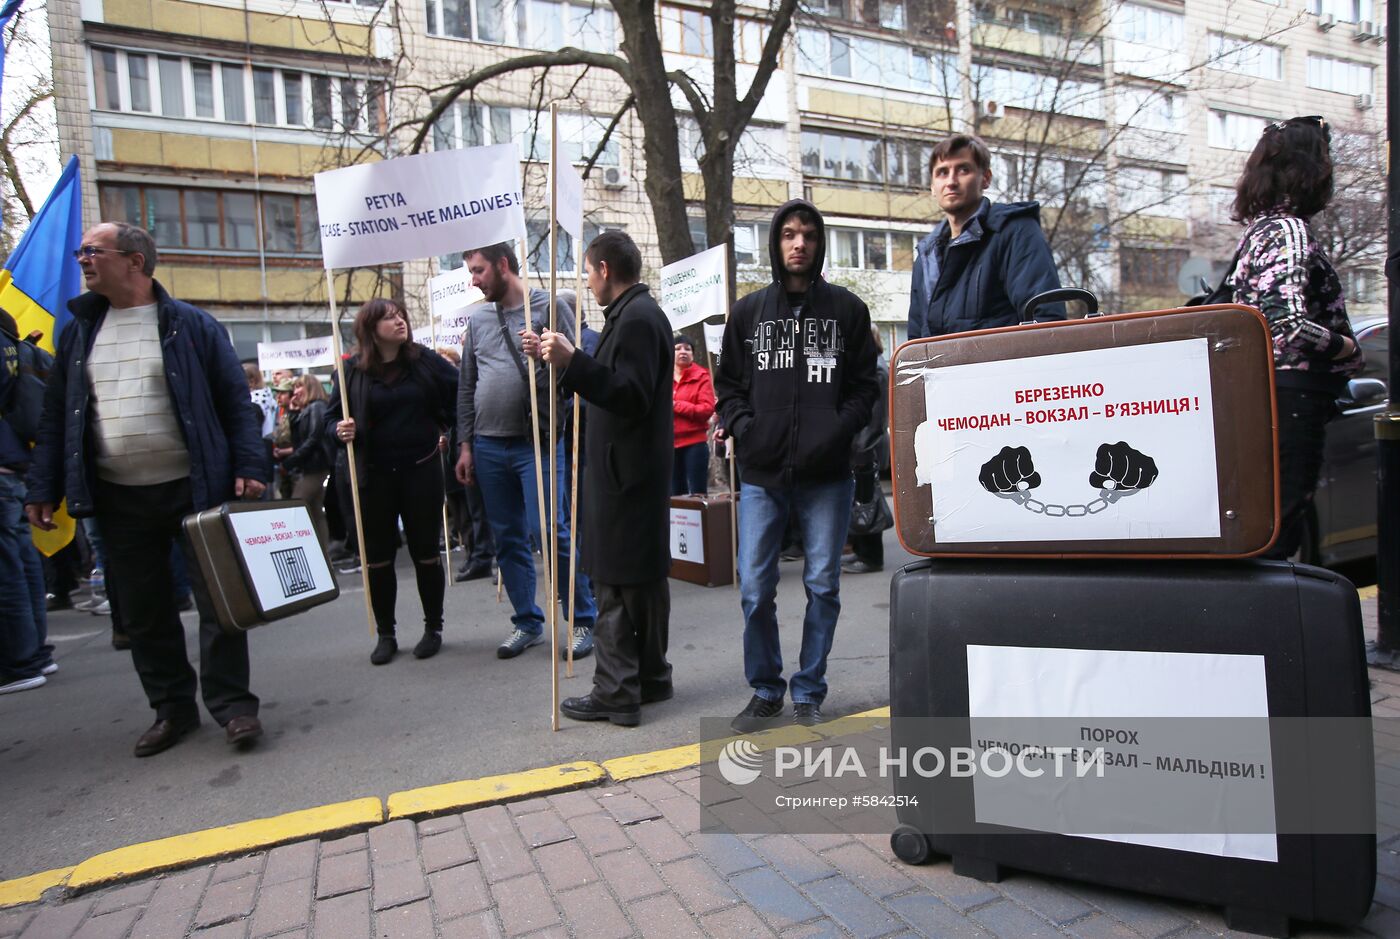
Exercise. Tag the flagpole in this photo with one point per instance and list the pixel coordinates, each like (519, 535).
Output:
(553, 428)
(446, 531)
(729, 446)
(349, 447)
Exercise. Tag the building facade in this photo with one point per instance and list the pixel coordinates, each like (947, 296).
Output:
(204, 120)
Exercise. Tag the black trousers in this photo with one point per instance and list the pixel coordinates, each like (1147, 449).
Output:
(630, 639)
(868, 548)
(1302, 432)
(139, 525)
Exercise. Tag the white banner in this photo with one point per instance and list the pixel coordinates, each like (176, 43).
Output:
(714, 338)
(687, 536)
(282, 555)
(450, 295)
(296, 353)
(568, 205)
(1102, 444)
(694, 289)
(418, 206)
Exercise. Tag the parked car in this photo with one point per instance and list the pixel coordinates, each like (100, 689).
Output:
(1342, 526)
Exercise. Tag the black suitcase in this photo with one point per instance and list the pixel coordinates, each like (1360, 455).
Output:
(1302, 623)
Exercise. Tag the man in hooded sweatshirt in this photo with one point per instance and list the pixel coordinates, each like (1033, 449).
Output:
(796, 383)
(985, 259)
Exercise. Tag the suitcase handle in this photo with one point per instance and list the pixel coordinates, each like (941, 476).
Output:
(1060, 293)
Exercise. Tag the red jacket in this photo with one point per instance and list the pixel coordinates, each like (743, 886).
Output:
(694, 399)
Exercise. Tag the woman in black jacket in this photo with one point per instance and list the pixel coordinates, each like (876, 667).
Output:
(309, 461)
(402, 397)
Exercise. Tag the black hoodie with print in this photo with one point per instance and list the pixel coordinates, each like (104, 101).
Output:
(794, 386)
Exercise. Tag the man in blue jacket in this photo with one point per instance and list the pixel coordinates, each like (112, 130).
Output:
(985, 259)
(147, 419)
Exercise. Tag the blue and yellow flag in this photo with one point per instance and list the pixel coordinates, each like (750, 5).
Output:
(41, 276)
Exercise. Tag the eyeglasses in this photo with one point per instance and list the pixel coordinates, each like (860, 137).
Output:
(92, 251)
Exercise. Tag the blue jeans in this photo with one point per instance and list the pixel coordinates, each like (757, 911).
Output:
(823, 511)
(505, 470)
(691, 470)
(24, 648)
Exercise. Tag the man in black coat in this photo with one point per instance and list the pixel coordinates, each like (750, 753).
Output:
(626, 496)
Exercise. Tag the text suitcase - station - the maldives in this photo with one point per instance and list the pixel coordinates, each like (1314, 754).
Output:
(262, 561)
(1089, 492)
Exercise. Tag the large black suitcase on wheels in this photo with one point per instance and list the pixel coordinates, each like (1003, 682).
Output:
(971, 636)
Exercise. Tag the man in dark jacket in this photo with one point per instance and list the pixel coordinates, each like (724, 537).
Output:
(147, 419)
(985, 259)
(626, 493)
(795, 383)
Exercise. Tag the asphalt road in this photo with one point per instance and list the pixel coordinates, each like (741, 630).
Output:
(339, 728)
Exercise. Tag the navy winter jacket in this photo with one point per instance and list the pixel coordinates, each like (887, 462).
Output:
(207, 387)
(998, 262)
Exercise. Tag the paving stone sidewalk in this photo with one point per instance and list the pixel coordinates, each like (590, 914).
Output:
(629, 860)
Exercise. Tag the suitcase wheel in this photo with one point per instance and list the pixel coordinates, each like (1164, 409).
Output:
(1259, 922)
(910, 845)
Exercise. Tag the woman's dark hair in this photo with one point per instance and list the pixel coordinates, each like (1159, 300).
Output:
(365, 322)
(1290, 168)
(682, 340)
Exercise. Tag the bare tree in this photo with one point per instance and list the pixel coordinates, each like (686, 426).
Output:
(28, 135)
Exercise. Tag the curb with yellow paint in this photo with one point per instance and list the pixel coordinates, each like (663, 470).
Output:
(166, 854)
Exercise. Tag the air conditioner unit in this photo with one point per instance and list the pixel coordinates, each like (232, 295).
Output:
(614, 177)
(1326, 21)
(1364, 30)
(1363, 102)
(990, 110)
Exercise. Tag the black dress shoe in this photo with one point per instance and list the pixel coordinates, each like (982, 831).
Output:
(384, 651)
(587, 709)
(474, 572)
(243, 730)
(163, 735)
(659, 694)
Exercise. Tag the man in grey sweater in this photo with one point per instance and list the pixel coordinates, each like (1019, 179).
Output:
(497, 449)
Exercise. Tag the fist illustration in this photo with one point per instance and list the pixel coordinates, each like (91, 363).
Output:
(1009, 472)
(1121, 468)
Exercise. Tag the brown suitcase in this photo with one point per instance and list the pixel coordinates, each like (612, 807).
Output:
(261, 561)
(702, 550)
(1133, 435)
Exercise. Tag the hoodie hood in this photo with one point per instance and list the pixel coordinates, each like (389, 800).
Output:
(775, 256)
(999, 213)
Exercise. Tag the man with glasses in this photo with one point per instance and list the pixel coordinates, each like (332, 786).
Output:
(147, 419)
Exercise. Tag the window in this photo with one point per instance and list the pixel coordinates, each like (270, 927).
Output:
(697, 232)
(292, 94)
(456, 18)
(876, 62)
(1245, 57)
(1152, 192)
(687, 31)
(751, 244)
(1034, 91)
(861, 249)
(1147, 109)
(1152, 268)
(864, 159)
(139, 81)
(1329, 74)
(1230, 131)
(104, 79)
(1361, 286)
(1346, 11)
(216, 220)
(265, 95)
(203, 73)
(321, 107)
(472, 125)
(234, 106)
(845, 248)
(549, 24)
(172, 87)
(1148, 41)
(892, 14)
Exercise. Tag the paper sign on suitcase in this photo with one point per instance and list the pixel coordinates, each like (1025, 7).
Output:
(1142, 434)
(261, 561)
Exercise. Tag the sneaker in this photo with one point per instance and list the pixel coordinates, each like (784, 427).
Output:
(582, 644)
(88, 605)
(807, 713)
(857, 566)
(759, 714)
(351, 566)
(429, 645)
(49, 669)
(384, 650)
(517, 642)
(102, 609)
(23, 684)
(790, 554)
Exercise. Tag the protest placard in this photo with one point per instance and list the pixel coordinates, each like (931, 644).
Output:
(569, 199)
(714, 338)
(450, 295)
(296, 353)
(696, 288)
(419, 206)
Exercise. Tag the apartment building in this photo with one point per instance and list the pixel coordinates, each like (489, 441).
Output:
(1128, 120)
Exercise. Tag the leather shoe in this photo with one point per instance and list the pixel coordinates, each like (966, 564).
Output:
(474, 572)
(243, 730)
(163, 735)
(587, 709)
(657, 695)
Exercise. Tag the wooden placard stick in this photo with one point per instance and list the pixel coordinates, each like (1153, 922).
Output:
(349, 446)
(446, 530)
(553, 545)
